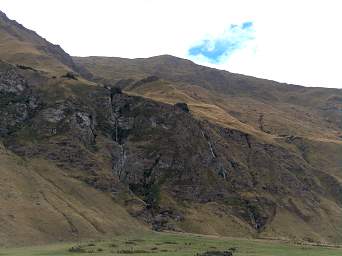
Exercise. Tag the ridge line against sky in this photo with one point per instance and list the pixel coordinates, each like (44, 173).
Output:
(288, 41)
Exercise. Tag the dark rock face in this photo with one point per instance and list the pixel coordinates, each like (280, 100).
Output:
(11, 81)
(25, 67)
(115, 90)
(163, 220)
(16, 100)
(146, 80)
(122, 143)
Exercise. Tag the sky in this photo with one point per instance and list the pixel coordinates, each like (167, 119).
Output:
(292, 41)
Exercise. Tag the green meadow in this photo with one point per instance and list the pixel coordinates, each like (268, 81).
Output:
(170, 244)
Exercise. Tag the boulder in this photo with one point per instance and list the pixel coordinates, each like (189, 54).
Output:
(182, 106)
(70, 75)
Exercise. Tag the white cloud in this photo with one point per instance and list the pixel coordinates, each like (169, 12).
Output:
(219, 49)
(296, 41)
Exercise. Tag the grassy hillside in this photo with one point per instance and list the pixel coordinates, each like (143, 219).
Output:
(41, 203)
(19, 45)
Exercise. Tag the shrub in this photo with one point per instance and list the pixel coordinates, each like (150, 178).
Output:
(77, 249)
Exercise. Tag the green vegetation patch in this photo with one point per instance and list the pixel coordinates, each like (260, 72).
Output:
(171, 244)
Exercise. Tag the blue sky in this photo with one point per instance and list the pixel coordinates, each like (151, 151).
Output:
(292, 41)
(217, 50)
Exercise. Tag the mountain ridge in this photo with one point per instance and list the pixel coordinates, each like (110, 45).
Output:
(28, 42)
(225, 83)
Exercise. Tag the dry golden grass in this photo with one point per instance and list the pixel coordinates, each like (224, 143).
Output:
(19, 45)
(44, 204)
(27, 54)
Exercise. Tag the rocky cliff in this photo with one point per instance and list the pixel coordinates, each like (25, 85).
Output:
(160, 162)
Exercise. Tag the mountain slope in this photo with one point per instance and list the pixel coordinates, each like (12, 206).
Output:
(271, 107)
(250, 158)
(119, 143)
(306, 121)
(22, 46)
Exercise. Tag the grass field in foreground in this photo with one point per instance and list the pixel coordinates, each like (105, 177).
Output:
(166, 244)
